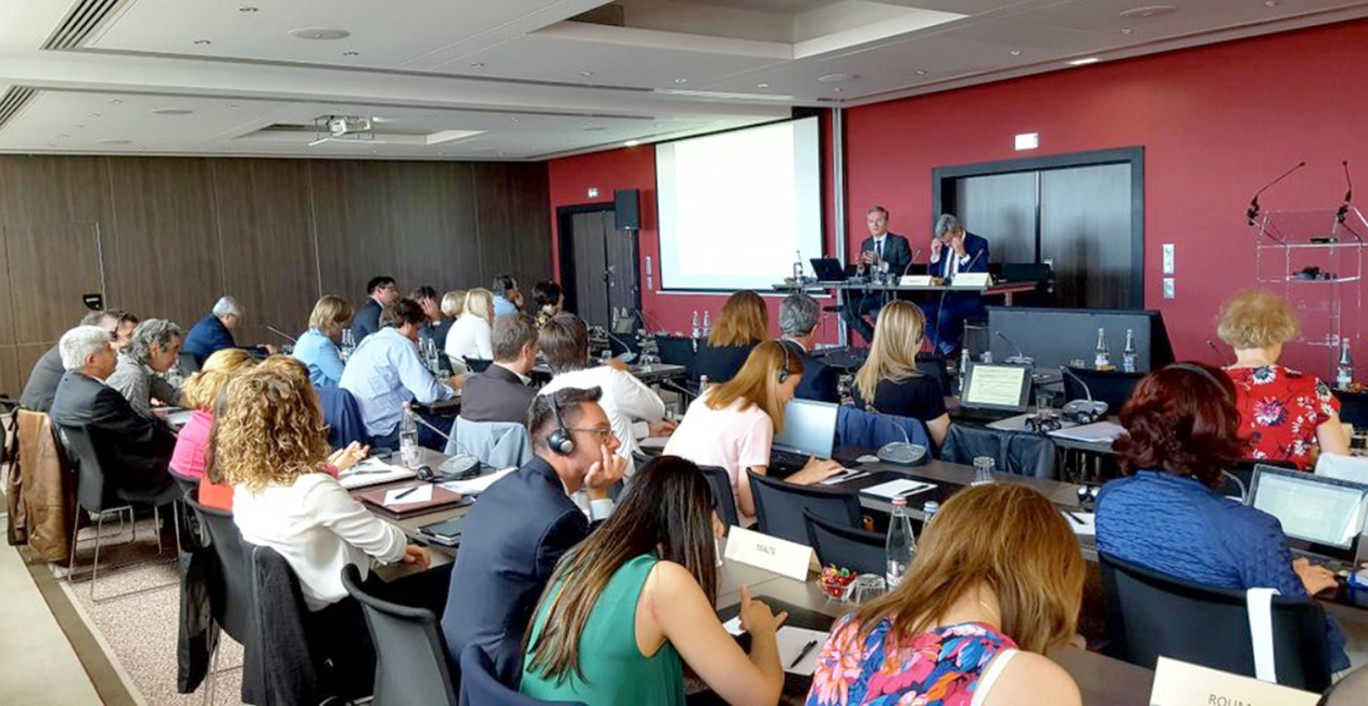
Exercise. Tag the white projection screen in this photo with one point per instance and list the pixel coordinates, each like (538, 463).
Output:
(736, 208)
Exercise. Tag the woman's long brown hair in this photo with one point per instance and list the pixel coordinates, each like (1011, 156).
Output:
(741, 321)
(758, 382)
(667, 510)
(1006, 537)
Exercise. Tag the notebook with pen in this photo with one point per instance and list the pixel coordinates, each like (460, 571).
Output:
(416, 498)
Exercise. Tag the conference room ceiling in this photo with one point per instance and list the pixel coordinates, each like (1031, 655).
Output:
(532, 79)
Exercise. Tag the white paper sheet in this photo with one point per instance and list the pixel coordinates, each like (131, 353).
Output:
(1097, 432)
(791, 643)
(475, 486)
(373, 471)
(415, 494)
(1083, 523)
(904, 487)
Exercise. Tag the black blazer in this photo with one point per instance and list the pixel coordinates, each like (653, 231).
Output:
(723, 363)
(820, 381)
(897, 252)
(42, 382)
(134, 450)
(511, 541)
(496, 395)
(367, 320)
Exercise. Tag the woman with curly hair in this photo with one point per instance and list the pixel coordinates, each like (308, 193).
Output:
(1287, 415)
(271, 445)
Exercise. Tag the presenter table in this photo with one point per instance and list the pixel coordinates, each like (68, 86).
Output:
(1007, 290)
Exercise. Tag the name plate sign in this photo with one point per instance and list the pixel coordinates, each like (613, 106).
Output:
(974, 280)
(915, 281)
(769, 553)
(1181, 684)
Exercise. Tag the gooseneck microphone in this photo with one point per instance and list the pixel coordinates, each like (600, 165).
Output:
(1086, 390)
(1020, 357)
(280, 333)
(1253, 212)
(1348, 195)
(1212, 345)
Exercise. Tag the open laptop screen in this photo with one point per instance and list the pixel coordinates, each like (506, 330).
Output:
(1311, 508)
(991, 386)
(809, 428)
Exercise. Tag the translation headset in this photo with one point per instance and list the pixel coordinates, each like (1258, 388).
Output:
(1203, 372)
(784, 371)
(560, 441)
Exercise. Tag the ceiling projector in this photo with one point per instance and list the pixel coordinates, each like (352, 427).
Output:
(343, 125)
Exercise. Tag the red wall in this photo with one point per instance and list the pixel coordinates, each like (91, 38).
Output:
(1216, 123)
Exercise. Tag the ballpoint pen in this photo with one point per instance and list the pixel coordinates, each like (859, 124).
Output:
(806, 649)
(1075, 518)
(406, 493)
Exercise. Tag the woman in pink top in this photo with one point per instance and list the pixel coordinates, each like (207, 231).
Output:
(199, 393)
(732, 425)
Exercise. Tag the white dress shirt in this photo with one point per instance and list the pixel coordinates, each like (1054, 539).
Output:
(955, 263)
(470, 337)
(319, 528)
(625, 400)
(383, 373)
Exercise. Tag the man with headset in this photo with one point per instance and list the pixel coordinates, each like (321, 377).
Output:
(523, 524)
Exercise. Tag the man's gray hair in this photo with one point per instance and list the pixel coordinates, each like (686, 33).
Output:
(947, 224)
(81, 343)
(798, 314)
(227, 306)
(152, 332)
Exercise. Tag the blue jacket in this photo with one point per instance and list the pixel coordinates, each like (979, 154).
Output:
(511, 540)
(856, 428)
(1176, 526)
(207, 337)
(975, 248)
(320, 355)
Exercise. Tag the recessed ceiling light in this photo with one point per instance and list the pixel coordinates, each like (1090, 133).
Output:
(681, 80)
(1271, 3)
(631, 143)
(1148, 11)
(921, 72)
(477, 65)
(203, 42)
(1084, 61)
(1127, 30)
(94, 115)
(594, 128)
(1015, 52)
(115, 101)
(247, 8)
(835, 78)
(586, 73)
(836, 89)
(762, 85)
(79, 126)
(172, 111)
(351, 53)
(319, 33)
(516, 119)
(116, 142)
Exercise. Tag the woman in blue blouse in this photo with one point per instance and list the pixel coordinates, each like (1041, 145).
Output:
(1182, 431)
(317, 347)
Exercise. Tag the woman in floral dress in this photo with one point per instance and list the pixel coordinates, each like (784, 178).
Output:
(1287, 415)
(997, 582)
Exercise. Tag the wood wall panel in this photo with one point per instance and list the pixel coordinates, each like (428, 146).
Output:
(164, 258)
(267, 234)
(175, 234)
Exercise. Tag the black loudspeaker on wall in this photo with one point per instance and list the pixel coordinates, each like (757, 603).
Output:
(626, 204)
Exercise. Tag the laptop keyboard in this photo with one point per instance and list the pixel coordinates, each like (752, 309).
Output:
(784, 463)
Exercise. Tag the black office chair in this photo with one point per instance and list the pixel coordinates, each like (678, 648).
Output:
(724, 500)
(477, 365)
(779, 507)
(479, 686)
(410, 658)
(97, 497)
(1150, 614)
(933, 366)
(230, 591)
(1353, 408)
(189, 365)
(1241, 476)
(677, 350)
(1022, 453)
(1110, 386)
(859, 550)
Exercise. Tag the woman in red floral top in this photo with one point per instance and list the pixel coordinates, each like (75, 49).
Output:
(1287, 415)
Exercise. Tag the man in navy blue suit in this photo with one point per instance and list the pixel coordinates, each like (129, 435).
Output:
(882, 251)
(522, 525)
(953, 251)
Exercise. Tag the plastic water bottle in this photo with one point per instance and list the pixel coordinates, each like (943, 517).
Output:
(929, 510)
(1129, 356)
(963, 370)
(901, 544)
(348, 344)
(430, 355)
(408, 438)
(1344, 371)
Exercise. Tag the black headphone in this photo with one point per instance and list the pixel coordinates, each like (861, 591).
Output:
(560, 440)
(1201, 371)
(784, 371)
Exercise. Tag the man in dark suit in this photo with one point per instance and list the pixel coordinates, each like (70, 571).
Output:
(134, 449)
(798, 318)
(503, 392)
(525, 522)
(48, 371)
(214, 332)
(882, 252)
(954, 251)
(381, 292)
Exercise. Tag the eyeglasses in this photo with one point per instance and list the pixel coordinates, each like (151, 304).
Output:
(603, 435)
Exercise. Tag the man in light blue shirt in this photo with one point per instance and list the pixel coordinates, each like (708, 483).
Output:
(385, 371)
(507, 298)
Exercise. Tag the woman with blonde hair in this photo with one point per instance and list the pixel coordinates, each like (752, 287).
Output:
(996, 584)
(199, 393)
(741, 324)
(317, 347)
(732, 425)
(452, 305)
(889, 382)
(472, 336)
(1287, 415)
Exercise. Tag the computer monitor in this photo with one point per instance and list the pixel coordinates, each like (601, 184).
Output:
(997, 386)
(809, 428)
(1055, 337)
(1312, 508)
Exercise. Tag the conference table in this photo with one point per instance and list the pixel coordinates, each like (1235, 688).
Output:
(1006, 290)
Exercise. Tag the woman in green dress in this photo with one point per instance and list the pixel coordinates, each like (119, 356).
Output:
(631, 605)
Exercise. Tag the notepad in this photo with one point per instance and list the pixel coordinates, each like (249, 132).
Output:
(1082, 523)
(902, 487)
(1096, 432)
(792, 641)
(475, 486)
(413, 494)
(373, 471)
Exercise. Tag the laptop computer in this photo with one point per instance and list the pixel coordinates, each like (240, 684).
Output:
(1321, 515)
(994, 391)
(828, 269)
(809, 431)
